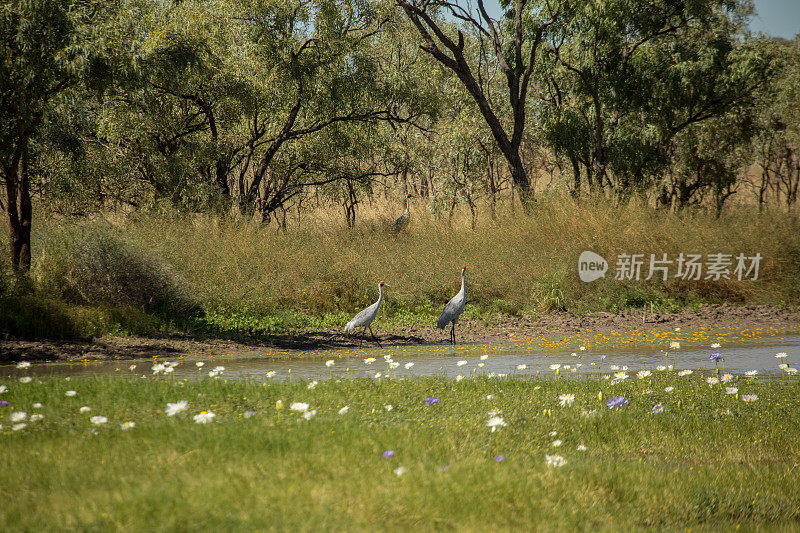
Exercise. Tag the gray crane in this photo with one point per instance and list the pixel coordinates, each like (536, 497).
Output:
(401, 223)
(364, 318)
(454, 308)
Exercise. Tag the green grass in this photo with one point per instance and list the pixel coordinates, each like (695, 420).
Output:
(232, 277)
(710, 461)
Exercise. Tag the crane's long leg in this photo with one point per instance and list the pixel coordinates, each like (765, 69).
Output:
(374, 337)
(362, 336)
(453, 333)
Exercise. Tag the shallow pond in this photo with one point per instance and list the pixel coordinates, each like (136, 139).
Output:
(512, 358)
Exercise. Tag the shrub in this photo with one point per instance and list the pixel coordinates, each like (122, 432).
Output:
(106, 269)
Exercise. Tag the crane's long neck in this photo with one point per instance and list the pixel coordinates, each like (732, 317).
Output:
(408, 203)
(463, 283)
(380, 295)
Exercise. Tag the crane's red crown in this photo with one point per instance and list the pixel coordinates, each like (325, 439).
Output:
(381, 283)
(464, 267)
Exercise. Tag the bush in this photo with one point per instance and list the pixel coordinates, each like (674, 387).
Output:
(108, 270)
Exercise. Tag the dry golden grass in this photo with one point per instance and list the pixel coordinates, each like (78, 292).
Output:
(249, 276)
(519, 260)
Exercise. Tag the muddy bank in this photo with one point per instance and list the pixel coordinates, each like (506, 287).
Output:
(500, 329)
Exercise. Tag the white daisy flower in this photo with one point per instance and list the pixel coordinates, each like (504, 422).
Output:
(566, 399)
(204, 417)
(175, 408)
(299, 406)
(495, 423)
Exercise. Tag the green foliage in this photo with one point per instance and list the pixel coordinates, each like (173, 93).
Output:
(628, 76)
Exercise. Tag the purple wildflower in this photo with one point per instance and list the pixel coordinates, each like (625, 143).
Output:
(387, 454)
(617, 402)
(431, 401)
(716, 356)
(602, 357)
(4, 403)
(658, 408)
(500, 458)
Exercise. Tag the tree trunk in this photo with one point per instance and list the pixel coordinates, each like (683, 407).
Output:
(491, 188)
(576, 173)
(520, 178)
(19, 210)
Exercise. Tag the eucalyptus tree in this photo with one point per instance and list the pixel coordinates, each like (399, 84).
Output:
(322, 72)
(176, 121)
(627, 76)
(708, 160)
(49, 47)
(514, 43)
(228, 97)
(776, 148)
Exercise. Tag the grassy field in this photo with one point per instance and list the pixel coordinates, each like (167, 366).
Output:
(154, 274)
(709, 461)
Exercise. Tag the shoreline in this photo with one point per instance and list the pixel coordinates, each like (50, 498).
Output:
(556, 328)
